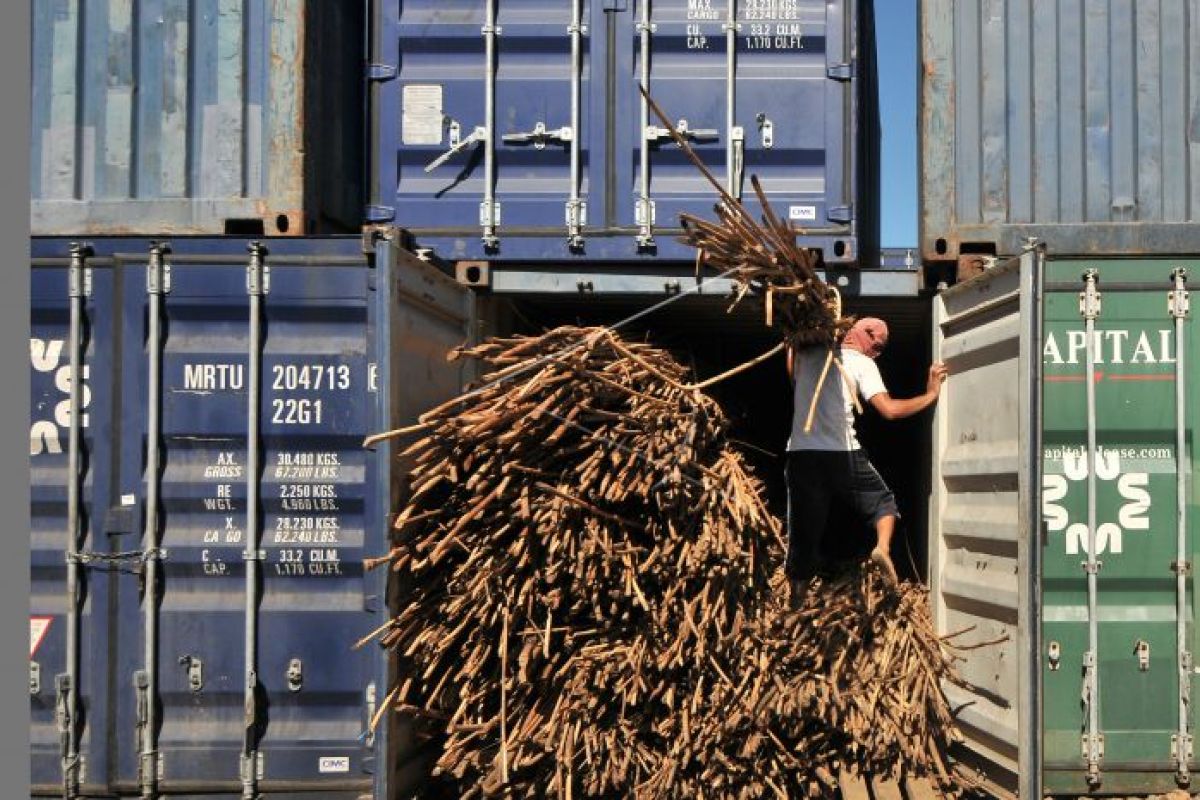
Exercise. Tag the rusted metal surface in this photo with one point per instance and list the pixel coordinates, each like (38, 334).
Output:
(1071, 122)
(193, 116)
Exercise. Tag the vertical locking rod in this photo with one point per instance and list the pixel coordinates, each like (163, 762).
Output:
(77, 283)
(1089, 307)
(1178, 306)
(489, 209)
(158, 283)
(733, 141)
(575, 207)
(645, 206)
(257, 277)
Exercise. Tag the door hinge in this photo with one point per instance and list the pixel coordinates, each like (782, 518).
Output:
(258, 274)
(259, 766)
(1090, 299)
(1178, 304)
(80, 274)
(840, 72)
(158, 271)
(375, 214)
(1186, 752)
(380, 72)
(371, 701)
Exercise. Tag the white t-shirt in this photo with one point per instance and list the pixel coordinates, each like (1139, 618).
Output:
(833, 424)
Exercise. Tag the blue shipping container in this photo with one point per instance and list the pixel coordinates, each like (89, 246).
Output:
(251, 381)
(514, 129)
(196, 116)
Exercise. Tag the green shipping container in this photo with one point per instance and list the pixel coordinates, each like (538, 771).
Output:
(1121, 722)
(1089, 691)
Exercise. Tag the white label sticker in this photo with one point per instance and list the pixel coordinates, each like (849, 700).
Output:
(333, 764)
(37, 631)
(802, 212)
(421, 121)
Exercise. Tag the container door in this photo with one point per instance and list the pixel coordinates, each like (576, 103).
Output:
(52, 481)
(1133, 665)
(758, 87)
(279, 487)
(982, 545)
(487, 122)
(423, 315)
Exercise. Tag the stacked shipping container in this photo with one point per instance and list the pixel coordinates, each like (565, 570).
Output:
(1073, 123)
(199, 116)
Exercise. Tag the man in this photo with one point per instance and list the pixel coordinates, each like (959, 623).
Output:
(826, 462)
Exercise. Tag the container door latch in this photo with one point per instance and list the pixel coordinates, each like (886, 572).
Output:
(1142, 651)
(195, 672)
(295, 675)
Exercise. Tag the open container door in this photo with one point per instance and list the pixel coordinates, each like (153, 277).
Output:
(983, 558)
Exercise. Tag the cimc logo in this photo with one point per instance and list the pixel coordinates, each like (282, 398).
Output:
(52, 407)
(1067, 473)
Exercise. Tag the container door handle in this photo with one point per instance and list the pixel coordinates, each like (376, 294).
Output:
(540, 135)
(655, 133)
(477, 135)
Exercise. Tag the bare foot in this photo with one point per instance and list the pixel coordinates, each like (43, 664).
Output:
(884, 562)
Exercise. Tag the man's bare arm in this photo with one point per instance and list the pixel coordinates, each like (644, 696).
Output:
(892, 408)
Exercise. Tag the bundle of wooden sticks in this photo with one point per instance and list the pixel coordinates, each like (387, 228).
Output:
(762, 258)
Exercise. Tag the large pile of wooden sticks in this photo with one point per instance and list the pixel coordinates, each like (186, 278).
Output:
(585, 607)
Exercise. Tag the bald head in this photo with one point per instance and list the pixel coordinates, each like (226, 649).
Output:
(868, 336)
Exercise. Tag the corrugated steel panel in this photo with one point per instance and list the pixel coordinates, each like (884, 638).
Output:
(803, 118)
(196, 116)
(1074, 121)
(333, 322)
(982, 536)
(1140, 658)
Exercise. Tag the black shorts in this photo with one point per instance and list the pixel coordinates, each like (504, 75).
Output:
(817, 478)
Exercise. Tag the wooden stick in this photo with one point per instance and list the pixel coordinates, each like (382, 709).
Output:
(812, 406)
